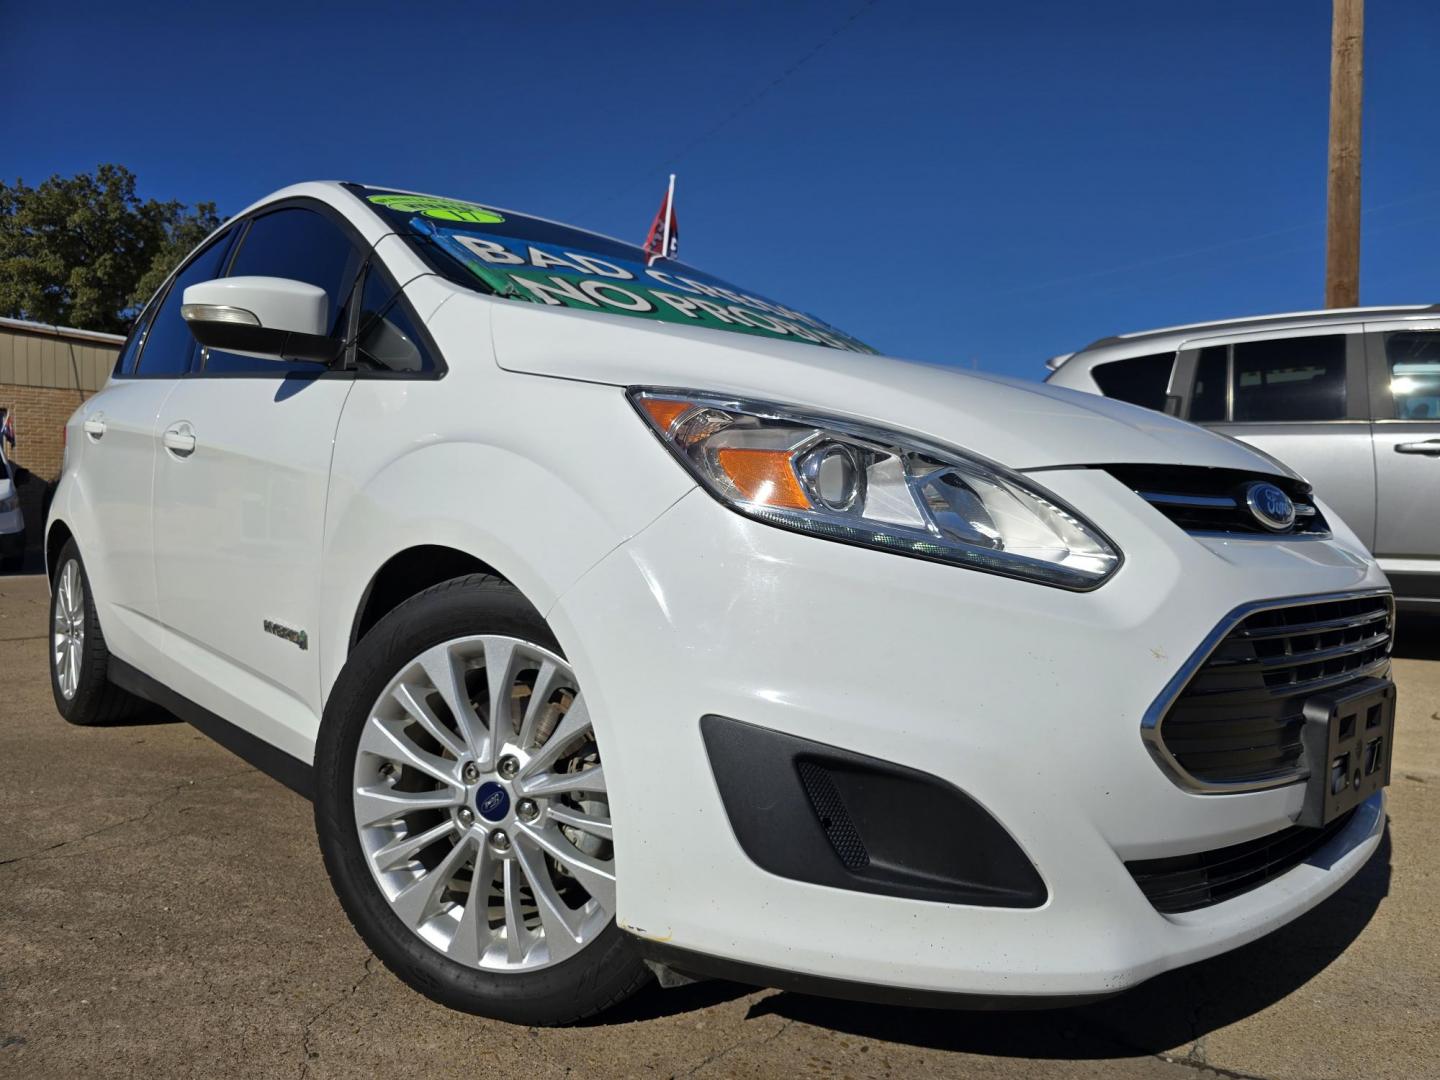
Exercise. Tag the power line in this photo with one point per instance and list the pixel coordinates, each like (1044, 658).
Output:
(745, 105)
(1158, 260)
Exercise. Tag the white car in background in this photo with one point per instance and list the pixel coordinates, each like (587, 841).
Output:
(12, 518)
(620, 620)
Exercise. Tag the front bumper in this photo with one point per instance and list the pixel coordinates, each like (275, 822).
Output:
(1026, 698)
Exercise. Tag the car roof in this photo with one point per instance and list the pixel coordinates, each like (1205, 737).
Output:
(344, 196)
(1168, 338)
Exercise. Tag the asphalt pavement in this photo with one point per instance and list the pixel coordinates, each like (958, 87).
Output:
(164, 913)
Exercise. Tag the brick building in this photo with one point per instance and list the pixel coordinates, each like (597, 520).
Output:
(45, 373)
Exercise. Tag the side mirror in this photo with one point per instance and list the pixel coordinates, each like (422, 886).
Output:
(265, 317)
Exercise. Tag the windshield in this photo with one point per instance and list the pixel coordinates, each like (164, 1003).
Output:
(537, 261)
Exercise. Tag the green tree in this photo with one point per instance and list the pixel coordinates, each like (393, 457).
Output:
(85, 251)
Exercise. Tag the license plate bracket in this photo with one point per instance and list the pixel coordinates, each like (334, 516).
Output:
(1348, 737)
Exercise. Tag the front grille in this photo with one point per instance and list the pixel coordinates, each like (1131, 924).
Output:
(1238, 719)
(1187, 882)
(1203, 500)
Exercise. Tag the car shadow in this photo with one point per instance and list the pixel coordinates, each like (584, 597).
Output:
(1417, 636)
(655, 1003)
(1171, 1010)
(148, 715)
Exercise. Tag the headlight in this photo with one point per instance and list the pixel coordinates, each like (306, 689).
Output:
(863, 485)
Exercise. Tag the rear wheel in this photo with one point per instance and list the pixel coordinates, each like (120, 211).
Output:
(463, 812)
(79, 659)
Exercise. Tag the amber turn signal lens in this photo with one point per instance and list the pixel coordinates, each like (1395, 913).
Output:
(664, 413)
(765, 477)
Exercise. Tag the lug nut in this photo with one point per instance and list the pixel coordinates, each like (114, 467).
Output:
(527, 809)
(509, 766)
(387, 769)
(499, 841)
(471, 772)
(466, 816)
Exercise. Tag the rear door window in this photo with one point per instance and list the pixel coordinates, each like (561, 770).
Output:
(1301, 378)
(1140, 380)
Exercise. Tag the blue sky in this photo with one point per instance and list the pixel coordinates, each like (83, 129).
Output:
(982, 184)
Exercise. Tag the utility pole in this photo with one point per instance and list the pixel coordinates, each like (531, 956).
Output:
(1342, 224)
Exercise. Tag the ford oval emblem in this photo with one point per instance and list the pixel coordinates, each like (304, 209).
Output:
(492, 801)
(1270, 506)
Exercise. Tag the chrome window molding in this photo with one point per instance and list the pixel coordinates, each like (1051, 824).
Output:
(1151, 723)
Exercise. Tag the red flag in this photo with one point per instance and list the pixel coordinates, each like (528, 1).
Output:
(663, 239)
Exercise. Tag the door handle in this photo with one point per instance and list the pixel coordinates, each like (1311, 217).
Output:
(95, 426)
(1430, 448)
(179, 440)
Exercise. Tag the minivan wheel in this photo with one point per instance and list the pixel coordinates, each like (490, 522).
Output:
(79, 660)
(463, 814)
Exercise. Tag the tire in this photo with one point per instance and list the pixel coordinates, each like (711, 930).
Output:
(75, 634)
(509, 971)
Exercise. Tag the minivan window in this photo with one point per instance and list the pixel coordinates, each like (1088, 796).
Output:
(168, 345)
(1300, 378)
(1207, 400)
(1140, 380)
(1414, 362)
(302, 245)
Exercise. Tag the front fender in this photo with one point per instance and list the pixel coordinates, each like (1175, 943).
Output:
(538, 478)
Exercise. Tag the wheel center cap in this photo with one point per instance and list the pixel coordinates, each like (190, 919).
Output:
(492, 802)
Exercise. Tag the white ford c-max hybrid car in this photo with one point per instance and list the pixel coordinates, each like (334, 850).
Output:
(620, 620)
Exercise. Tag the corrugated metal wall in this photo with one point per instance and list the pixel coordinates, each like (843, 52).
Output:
(54, 357)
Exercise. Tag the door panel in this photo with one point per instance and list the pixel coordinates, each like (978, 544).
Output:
(116, 468)
(1405, 363)
(240, 487)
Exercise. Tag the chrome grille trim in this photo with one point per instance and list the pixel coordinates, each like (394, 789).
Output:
(1213, 501)
(1170, 498)
(1244, 734)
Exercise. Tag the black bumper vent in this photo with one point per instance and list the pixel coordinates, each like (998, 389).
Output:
(1239, 718)
(1202, 500)
(817, 813)
(1189, 882)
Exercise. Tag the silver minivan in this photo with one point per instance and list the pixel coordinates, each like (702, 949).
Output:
(1348, 398)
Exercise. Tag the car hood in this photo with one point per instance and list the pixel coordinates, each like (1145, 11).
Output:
(1024, 425)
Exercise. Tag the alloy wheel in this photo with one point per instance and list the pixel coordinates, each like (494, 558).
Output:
(67, 625)
(481, 806)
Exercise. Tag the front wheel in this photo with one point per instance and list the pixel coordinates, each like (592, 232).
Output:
(79, 658)
(463, 813)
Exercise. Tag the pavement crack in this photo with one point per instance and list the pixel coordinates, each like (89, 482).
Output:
(724, 1050)
(305, 1049)
(175, 789)
(1215, 1070)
